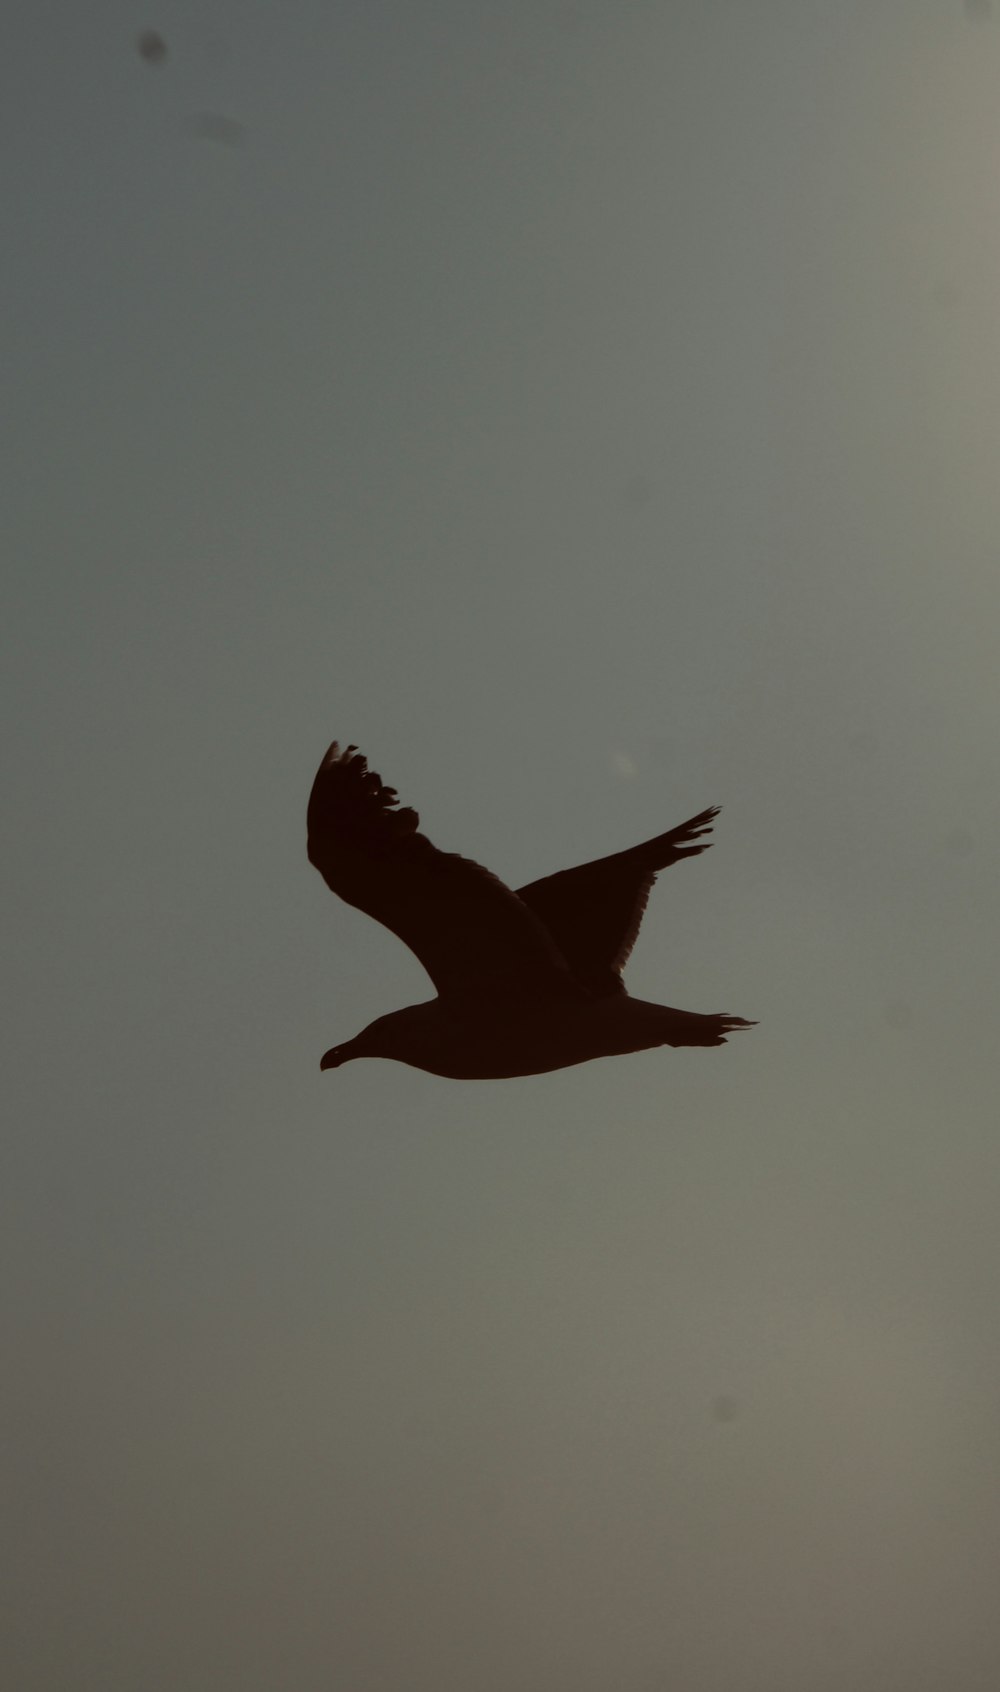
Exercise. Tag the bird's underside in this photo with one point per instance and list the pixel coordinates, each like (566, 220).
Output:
(527, 981)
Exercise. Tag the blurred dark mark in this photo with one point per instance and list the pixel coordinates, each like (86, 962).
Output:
(214, 126)
(960, 841)
(725, 1408)
(978, 10)
(899, 1015)
(151, 47)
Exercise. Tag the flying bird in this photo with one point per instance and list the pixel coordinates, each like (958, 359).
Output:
(527, 981)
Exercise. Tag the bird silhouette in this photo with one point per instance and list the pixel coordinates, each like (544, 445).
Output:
(527, 981)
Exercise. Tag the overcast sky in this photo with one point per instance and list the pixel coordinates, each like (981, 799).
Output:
(591, 408)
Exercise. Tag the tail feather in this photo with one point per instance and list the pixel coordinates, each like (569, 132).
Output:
(689, 1028)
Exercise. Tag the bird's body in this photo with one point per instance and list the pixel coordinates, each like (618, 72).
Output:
(527, 982)
(515, 1040)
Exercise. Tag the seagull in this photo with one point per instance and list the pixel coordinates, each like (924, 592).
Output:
(527, 981)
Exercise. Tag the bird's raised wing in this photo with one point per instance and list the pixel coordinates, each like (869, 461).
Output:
(593, 912)
(473, 935)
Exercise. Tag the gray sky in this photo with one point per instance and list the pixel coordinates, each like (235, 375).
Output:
(592, 410)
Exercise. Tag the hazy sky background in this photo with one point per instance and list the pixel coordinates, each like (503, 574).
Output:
(592, 409)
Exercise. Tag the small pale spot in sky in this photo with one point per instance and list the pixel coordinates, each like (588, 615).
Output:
(624, 766)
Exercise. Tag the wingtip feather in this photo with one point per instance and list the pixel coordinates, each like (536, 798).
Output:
(350, 802)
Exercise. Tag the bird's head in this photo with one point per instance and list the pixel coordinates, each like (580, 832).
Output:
(373, 1042)
(356, 1048)
(338, 1055)
(399, 1035)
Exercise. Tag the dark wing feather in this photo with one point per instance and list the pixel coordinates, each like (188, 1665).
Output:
(593, 912)
(472, 934)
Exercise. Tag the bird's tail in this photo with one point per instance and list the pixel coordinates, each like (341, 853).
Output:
(688, 1028)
